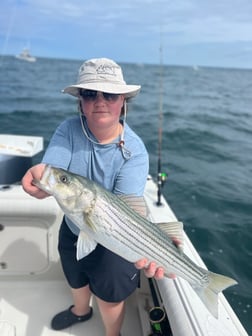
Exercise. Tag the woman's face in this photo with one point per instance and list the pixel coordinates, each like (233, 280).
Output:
(101, 111)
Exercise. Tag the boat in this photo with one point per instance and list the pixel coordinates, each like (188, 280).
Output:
(26, 56)
(33, 288)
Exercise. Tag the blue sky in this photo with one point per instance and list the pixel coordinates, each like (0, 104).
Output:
(193, 32)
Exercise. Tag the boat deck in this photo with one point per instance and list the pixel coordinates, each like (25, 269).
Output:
(26, 309)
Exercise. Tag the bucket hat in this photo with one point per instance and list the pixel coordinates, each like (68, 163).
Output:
(102, 74)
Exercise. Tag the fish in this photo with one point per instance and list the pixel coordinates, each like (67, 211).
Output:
(121, 224)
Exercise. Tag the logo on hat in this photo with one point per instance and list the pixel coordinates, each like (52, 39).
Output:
(106, 69)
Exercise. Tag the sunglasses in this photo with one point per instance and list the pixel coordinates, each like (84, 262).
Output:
(91, 95)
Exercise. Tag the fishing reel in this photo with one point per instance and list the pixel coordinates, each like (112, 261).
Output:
(161, 179)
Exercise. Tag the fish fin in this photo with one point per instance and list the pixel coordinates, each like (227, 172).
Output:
(209, 295)
(175, 231)
(136, 203)
(85, 245)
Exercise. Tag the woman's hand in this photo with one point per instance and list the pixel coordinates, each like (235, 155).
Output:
(34, 172)
(151, 270)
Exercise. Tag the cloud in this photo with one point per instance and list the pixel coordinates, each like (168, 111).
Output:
(132, 26)
(190, 20)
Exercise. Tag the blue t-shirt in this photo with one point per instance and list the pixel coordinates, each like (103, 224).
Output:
(119, 170)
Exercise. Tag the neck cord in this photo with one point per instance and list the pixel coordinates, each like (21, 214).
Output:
(125, 152)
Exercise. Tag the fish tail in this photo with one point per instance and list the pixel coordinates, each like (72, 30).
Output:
(209, 295)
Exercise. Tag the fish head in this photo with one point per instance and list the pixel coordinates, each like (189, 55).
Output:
(71, 191)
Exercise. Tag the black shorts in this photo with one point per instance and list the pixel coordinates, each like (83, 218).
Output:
(110, 277)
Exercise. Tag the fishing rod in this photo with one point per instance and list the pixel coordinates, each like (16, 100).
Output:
(161, 176)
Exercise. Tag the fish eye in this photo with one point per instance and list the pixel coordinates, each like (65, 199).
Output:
(64, 179)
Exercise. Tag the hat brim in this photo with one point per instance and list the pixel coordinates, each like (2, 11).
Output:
(127, 90)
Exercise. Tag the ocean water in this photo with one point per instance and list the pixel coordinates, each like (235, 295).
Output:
(206, 147)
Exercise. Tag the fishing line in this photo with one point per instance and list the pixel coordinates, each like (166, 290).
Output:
(8, 33)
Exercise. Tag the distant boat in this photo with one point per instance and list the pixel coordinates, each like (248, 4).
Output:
(26, 56)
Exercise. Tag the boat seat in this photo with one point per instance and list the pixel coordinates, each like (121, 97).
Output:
(28, 232)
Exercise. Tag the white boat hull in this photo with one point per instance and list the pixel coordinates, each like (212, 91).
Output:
(27, 59)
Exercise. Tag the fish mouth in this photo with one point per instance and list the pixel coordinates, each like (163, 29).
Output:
(37, 183)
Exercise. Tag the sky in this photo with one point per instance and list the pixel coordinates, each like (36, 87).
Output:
(189, 32)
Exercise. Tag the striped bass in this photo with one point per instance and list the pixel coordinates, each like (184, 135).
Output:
(111, 221)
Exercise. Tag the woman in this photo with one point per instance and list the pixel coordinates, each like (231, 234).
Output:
(99, 145)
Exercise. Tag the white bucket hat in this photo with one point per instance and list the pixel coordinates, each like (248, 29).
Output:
(102, 74)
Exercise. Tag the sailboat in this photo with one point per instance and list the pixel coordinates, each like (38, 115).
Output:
(26, 56)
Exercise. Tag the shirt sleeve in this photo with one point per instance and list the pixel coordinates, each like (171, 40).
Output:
(58, 153)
